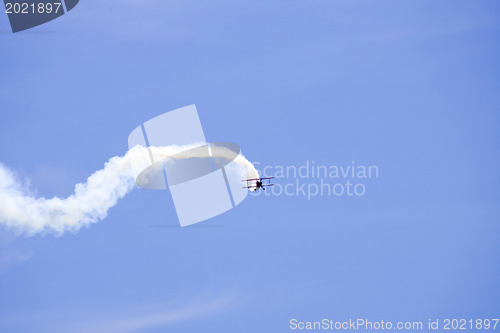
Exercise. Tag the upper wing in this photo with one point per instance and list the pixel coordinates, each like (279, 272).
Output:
(247, 180)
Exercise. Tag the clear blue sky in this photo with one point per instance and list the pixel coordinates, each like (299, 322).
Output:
(412, 87)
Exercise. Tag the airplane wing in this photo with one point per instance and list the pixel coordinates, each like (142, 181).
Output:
(247, 180)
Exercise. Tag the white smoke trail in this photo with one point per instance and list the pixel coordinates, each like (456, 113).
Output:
(23, 213)
(162, 153)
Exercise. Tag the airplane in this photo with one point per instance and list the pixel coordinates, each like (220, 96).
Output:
(259, 183)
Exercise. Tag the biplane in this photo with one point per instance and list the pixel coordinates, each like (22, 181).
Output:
(259, 183)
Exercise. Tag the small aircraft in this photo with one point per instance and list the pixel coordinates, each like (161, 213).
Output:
(259, 183)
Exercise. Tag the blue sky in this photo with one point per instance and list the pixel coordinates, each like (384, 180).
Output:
(409, 87)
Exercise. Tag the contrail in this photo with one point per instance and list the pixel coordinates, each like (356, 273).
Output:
(90, 202)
